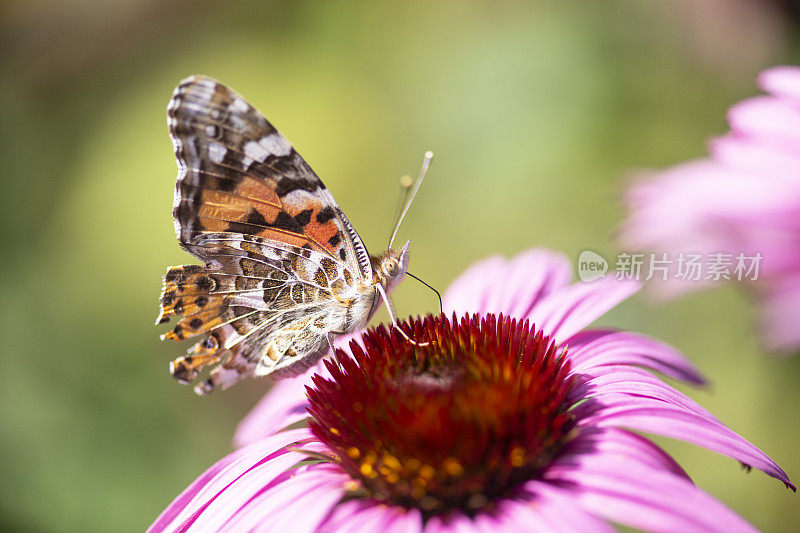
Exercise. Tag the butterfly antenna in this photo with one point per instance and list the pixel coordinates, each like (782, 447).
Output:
(405, 188)
(441, 308)
(425, 164)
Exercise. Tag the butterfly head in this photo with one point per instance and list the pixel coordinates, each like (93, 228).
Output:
(390, 267)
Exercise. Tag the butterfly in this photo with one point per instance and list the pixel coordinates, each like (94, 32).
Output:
(284, 270)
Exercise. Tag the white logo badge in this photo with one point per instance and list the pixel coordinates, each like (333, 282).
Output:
(591, 266)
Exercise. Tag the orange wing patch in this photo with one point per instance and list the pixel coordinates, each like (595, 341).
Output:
(254, 208)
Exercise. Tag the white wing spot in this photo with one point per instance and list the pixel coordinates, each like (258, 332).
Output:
(254, 150)
(239, 106)
(275, 143)
(216, 152)
(211, 130)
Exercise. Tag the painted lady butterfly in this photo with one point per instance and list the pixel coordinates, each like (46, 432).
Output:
(284, 271)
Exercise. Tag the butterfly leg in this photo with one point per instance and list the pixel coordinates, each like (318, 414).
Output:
(331, 336)
(393, 318)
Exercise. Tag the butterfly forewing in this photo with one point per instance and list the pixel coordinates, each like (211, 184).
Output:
(238, 174)
(284, 267)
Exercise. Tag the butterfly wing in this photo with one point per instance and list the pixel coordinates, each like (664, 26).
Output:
(268, 306)
(282, 260)
(238, 174)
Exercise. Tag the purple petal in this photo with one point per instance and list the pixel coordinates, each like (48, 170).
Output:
(214, 510)
(299, 503)
(283, 405)
(762, 159)
(224, 473)
(370, 515)
(654, 416)
(592, 445)
(768, 120)
(511, 287)
(316, 447)
(634, 494)
(178, 505)
(651, 222)
(222, 506)
(550, 508)
(779, 311)
(542, 508)
(611, 381)
(491, 523)
(597, 348)
(345, 515)
(782, 81)
(565, 312)
(709, 197)
(470, 291)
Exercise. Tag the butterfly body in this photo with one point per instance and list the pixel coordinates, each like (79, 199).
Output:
(285, 271)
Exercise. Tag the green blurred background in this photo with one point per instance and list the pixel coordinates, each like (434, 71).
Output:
(537, 112)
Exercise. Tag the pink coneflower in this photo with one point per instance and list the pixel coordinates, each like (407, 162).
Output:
(743, 201)
(499, 423)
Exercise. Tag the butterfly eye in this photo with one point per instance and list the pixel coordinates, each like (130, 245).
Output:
(391, 267)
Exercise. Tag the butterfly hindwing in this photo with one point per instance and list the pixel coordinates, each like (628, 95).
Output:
(262, 305)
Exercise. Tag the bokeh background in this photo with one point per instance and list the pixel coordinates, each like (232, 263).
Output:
(538, 113)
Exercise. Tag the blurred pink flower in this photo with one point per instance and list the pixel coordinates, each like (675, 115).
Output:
(745, 198)
(495, 425)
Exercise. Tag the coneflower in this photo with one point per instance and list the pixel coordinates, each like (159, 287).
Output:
(496, 423)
